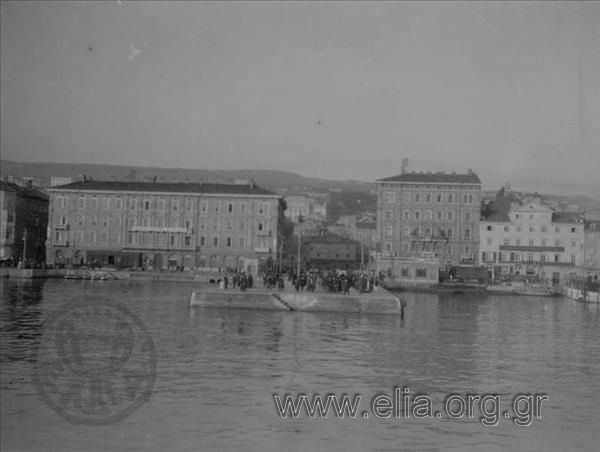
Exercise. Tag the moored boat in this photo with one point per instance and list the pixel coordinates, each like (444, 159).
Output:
(583, 290)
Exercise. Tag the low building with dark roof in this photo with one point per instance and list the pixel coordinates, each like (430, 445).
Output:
(430, 213)
(158, 226)
(23, 223)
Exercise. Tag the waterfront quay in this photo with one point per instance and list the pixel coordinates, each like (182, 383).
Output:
(379, 301)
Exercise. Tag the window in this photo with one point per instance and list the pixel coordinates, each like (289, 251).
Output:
(202, 240)
(467, 250)
(407, 214)
(467, 233)
(470, 198)
(229, 207)
(417, 214)
(188, 205)
(81, 202)
(557, 229)
(94, 203)
(160, 204)
(572, 258)
(172, 240)
(572, 229)
(204, 207)
(439, 198)
(406, 196)
(506, 228)
(261, 226)
(406, 231)
(543, 228)
(119, 204)
(389, 231)
(531, 229)
(146, 205)
(557, 243)
(421, 272)
(506, 242)
(573, 243)
(518, 228)
(543, 242)
(518, 242)
(439, 215)
(243, 207)
(489, 227)
(450, 198)
(188, 240)
(217, 206)
(404, 272)
(132, 204)
(556, 258)
(450, 215)
(389, 197)
(215, 241)
(242, 242)
(467, 216)
(388, 214)
(228, 242)
(483, 256)
(449, 233)
(417, 197)
(489, 241)
(175, 205)
(428, 215)
(428, 197)
(531, 243)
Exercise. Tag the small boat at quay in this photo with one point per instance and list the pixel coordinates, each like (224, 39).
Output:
(583, 290)
(534, 289)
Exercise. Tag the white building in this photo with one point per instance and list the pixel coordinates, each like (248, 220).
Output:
(530, 239)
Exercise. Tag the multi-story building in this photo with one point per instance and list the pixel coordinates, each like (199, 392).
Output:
(591, 248)
(162, 225)
(430, 214)
(23, 223)
(530, 239)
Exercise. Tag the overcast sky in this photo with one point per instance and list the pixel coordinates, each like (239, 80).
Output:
(334, 90)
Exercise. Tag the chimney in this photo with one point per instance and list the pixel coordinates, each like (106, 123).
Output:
(84, 178)
(154, 179)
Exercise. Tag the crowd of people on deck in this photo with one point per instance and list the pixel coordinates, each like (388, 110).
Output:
(325, 280)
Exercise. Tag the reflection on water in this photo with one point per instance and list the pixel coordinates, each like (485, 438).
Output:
(218, 370)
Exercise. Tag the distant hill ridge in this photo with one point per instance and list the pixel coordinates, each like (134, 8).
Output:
(269, 179)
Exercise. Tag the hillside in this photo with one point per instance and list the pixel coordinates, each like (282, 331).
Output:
(273, 180)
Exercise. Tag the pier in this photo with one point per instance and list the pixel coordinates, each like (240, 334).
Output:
(378, 302)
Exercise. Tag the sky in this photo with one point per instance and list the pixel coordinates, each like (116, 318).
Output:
(336, 90)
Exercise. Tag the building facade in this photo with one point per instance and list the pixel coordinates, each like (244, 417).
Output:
(591, 248)
(531, 239)
(331, 251)
(162, 225)
(422, 213)
(23, 223)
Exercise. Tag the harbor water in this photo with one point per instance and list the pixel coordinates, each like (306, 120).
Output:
(217, 371)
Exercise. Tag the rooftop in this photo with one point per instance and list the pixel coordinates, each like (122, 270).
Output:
(161, 187)
(439, 178)
(24, 191)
